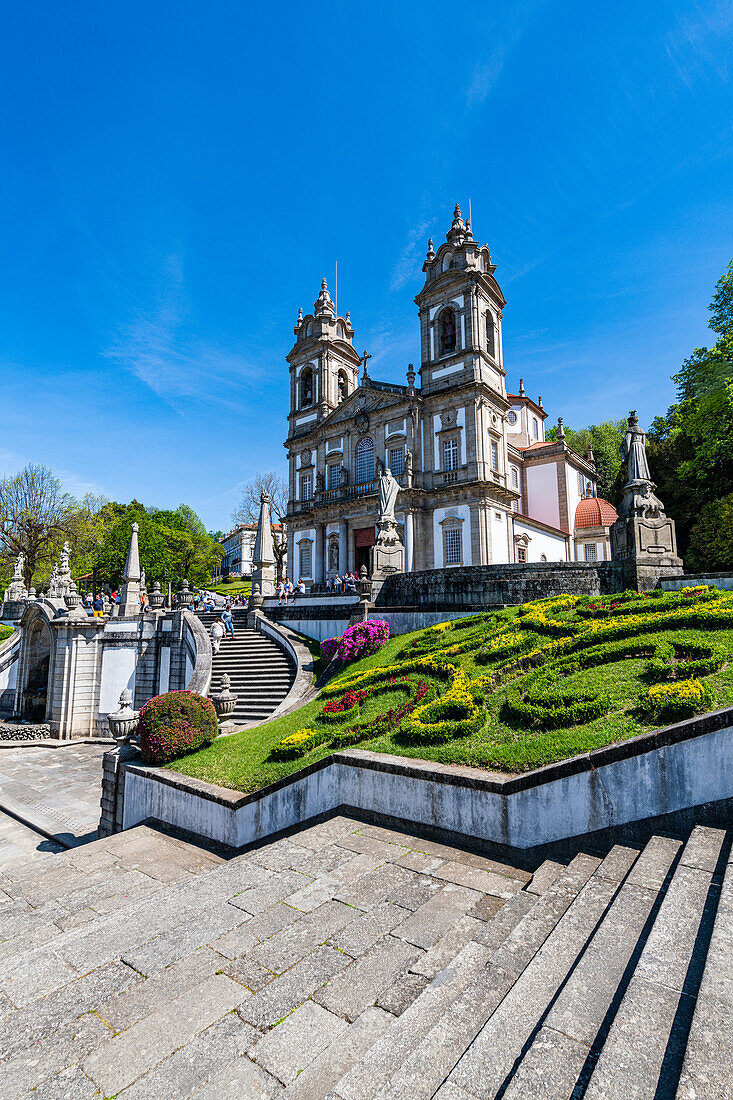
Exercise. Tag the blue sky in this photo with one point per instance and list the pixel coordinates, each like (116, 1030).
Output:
(178, 177)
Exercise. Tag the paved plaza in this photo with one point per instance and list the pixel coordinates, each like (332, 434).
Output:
(57, 790)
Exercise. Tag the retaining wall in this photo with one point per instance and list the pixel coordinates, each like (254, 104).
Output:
(671, 770)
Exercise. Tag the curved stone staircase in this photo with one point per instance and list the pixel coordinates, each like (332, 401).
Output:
(259, 671)
(351, 962)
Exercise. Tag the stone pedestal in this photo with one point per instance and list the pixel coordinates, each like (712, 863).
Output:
(647, 548)
(388, 552)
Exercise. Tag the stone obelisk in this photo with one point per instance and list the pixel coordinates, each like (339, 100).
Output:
(130, 594)
(263, 554)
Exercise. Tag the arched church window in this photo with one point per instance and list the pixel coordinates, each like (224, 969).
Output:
(343, 385)
(365, 460)
(490, 341)
(306, 388)
(447, 331)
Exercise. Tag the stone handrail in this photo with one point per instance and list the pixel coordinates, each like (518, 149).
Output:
(200, 681)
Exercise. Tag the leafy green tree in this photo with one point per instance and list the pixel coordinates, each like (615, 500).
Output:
(690, 447)
(711, 540)
(35, 516)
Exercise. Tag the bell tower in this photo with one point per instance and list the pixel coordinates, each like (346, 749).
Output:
(460, 308)
(324, 367)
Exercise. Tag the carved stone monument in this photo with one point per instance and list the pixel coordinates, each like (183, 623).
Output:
(643, 537)
(263, 554)
(130, 595)
(388, 552)
(16, 595)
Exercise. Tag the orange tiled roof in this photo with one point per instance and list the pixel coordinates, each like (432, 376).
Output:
(595, 512)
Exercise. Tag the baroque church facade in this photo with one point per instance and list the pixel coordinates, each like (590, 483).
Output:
(479, 483)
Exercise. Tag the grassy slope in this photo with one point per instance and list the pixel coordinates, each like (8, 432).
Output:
(241, 761)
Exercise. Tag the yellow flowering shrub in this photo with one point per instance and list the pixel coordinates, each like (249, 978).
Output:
(681, 698)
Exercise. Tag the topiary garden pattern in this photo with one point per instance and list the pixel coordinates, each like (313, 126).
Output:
(537, 658)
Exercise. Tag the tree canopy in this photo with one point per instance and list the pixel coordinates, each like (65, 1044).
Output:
(248, 510)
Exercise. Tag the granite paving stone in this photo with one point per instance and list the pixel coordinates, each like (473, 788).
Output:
(258, 898)
(415, 893)
(376, 887)
(364, 930)
(240, 1080)
(652, 866)
(290, 1047)
(338, 1058)
(488, 906)
(550, 1069)
(668, 950)
(448, 1091)
(707, 1070)
(447, 947)
(544, 876)
(191, 1066)
(402, 993)
(69, 1084)
(29, 1067)
(417, 861)
(355, 989)
(135, 1051)
(702, 848)
(583, 1002)
(284, 948)
(314, 894)
(34, 973)
(356, 842)
(53, 1018)
(168, 947)
(293, 987)
(124, 1009)
(431, 921)
(380, 1062)
(248, 973)
(474, 878)
(246, 936)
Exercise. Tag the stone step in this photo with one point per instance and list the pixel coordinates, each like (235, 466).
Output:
(707, 1070)
(415, 1055)
(538, 975)
(643, 1037)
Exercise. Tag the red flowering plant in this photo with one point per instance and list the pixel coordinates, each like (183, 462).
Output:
(175, 723)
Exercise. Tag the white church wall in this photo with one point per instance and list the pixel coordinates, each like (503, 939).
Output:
(499, 538)
(542, 496)
(541, 542)
(462, 512)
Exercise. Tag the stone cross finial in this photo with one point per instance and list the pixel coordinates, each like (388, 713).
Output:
(521, 387)
(560, 428)
(364, 358)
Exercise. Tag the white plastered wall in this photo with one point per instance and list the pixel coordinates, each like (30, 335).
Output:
(462, 512)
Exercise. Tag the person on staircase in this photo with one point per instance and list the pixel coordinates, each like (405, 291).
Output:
(226, 618)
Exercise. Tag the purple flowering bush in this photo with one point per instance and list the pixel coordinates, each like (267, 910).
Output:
(174, 724)
(329, 647)
(358, 641)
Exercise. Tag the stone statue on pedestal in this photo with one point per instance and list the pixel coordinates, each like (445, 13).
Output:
(642, 536)
(388, 552)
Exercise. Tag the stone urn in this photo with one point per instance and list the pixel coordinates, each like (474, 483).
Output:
(72, 597)
(156, 598)
(183, 595)
(123, 722)
(224, 701)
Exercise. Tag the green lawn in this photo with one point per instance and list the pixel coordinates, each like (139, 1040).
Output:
(233, 588)
(509, 690)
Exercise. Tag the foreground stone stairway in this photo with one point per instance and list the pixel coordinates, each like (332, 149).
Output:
(259, 671)
(351, 962)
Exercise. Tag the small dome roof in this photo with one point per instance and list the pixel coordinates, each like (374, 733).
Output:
(595, 512)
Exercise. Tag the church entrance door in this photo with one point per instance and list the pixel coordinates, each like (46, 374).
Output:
(364, 539)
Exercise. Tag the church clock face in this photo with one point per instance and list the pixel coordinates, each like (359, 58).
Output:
(361, 420)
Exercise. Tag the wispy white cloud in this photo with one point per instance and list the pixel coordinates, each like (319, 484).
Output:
(180, 369)
(505, 36)
(408, 263)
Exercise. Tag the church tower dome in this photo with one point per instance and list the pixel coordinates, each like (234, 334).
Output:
(324, 366)
(460, 307)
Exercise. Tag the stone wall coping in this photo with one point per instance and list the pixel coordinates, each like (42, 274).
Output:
(453, 774)
(201, 677)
